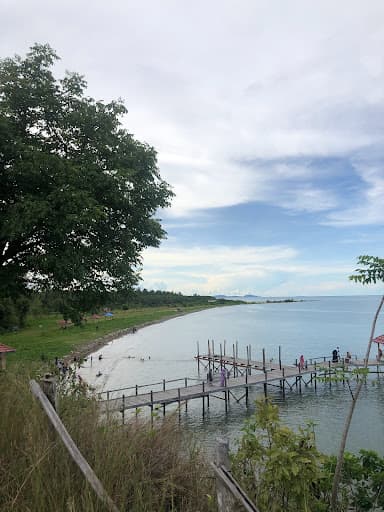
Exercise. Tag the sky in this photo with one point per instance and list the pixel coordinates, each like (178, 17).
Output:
(268, 119)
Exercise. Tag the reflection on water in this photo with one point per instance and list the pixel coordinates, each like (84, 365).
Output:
(313, 328)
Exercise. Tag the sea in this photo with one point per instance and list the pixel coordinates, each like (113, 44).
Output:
(312, 326)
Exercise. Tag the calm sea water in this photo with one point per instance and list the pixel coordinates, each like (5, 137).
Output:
(313, 328)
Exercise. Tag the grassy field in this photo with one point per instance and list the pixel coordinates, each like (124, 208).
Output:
(44, 338)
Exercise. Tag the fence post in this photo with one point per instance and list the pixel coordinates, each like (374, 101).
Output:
(48, 385)
(225, 499)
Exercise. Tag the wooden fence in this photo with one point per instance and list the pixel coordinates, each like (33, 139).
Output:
(229, 492)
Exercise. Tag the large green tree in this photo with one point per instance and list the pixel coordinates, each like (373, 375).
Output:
(78, 193)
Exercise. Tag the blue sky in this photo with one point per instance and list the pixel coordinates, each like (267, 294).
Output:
(268, 119)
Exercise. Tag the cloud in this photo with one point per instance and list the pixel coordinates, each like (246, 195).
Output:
(369, 208)
(211, 86)
(242, 270)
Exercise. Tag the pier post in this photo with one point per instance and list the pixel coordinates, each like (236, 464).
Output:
(198, 358)
(179, 400)
(186, 382)
(224, 346)
(234, 361)
(283, 382)
(203, 398)
(221, 356)
(264, 360)
(280, 357)
(329, 373)
(123, 411)
(163, 384)
(250, 358)
(265, 385)
(209, 356)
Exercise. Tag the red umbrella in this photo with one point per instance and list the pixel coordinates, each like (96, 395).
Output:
(379, 339)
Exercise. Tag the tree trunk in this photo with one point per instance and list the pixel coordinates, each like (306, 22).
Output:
(340, 457)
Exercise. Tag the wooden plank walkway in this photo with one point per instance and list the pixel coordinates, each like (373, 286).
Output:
(204, 389)
(265, 373)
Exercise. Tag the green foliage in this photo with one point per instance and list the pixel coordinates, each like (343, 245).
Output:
(144, 297)
(78, 193)
(372, 272)
(280, 469)
(13, 312)
(362, 484)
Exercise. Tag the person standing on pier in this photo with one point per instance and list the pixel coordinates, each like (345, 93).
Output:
(302, 362)
(222, 377)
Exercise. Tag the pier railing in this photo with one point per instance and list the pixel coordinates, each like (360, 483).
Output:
(324, 359)
(153, 386)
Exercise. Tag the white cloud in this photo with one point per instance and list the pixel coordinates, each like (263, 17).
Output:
(242, 270)
(210, 84)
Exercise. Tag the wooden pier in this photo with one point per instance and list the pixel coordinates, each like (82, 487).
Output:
(224, 374)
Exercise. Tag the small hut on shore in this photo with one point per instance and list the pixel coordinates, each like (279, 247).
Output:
(4, 350)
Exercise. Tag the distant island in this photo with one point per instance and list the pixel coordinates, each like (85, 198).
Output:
(257, 299)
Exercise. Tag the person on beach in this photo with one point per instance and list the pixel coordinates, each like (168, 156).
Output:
(335, 358)
(209, 376)
(379, 354)
(301, 362)
(222, 377)
(348, 357)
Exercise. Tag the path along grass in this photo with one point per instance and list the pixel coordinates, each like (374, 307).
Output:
(44, 338)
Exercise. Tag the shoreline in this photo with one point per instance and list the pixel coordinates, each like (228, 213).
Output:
(92, 346)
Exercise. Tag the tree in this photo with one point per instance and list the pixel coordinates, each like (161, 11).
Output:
(372, 272)
(78, 193)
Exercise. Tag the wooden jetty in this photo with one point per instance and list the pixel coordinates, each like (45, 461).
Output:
(229, 374)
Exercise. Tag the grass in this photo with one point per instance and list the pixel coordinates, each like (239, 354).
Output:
(43, 338)
(142, 468)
